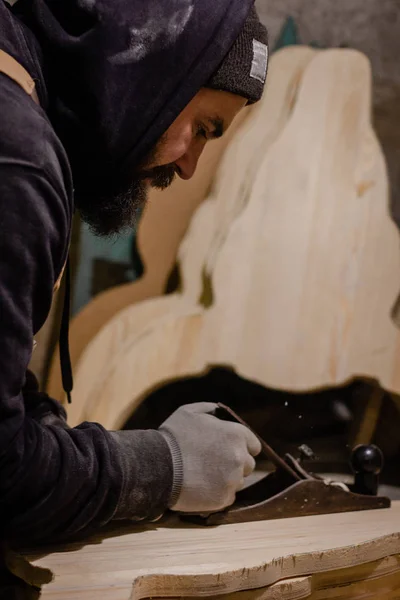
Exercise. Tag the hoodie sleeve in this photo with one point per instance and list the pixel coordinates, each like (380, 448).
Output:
(55, 481)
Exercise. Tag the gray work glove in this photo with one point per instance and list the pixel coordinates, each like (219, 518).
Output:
(211, 458)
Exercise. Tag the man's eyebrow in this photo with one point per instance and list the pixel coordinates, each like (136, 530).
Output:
(219, 127)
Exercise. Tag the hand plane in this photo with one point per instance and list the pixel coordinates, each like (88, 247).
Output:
(290, 491)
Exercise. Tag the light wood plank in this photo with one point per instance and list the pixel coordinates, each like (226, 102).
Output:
(376, 580)
(172, 560)
(311, 259)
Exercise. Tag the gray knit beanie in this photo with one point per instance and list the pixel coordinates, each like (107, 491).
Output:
(244, 70)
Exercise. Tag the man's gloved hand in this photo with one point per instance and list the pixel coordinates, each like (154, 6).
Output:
(211, 458)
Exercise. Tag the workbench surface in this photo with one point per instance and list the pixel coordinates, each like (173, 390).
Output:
(170, 558)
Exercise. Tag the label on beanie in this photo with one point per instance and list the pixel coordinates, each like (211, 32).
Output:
(260, 61)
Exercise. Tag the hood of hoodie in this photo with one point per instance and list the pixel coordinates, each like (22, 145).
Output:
(120, 71)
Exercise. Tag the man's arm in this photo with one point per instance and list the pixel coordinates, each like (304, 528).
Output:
(55, 481)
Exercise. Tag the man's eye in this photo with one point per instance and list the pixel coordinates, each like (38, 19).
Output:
(202, 132)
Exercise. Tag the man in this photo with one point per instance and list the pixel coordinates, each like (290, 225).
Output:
(118, 96)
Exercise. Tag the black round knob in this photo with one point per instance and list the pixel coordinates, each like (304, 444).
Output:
(367, 463)
(367, 459)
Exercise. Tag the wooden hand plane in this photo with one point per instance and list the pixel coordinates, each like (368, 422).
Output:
(290, 491)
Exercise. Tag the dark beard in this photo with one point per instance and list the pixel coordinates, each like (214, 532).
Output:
(109, 213)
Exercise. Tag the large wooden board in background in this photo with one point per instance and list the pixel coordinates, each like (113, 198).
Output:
(305, 277)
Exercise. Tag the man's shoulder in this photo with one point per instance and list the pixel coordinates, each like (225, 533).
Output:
(36, 192)
(28, 140)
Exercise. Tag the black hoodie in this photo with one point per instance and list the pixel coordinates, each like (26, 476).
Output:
(111, 76)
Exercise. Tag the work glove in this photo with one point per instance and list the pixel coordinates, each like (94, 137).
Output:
(211, 458)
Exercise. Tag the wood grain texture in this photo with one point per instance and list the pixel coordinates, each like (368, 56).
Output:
(308, 271)
(377, 580)
(234, 178)
(319, 251)
(121, 332)
(170, 560)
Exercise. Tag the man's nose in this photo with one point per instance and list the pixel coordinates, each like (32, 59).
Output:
(187, 163)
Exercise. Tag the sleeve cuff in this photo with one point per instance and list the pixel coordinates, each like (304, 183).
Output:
(147, 474)
(177, 463)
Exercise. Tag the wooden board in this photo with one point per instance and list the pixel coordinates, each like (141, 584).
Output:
(234, 178)
(209, 227)
(316, 254)
(121, 332)
(246, 151)
(171, 559)
(378, 579)
(371, 581)
(311, 259)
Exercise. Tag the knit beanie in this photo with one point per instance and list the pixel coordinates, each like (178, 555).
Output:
(243, 71)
